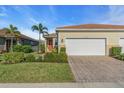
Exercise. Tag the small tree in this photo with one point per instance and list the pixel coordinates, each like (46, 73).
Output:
(42, 30)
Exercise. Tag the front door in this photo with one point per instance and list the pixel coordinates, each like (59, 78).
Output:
(50, 44)
(8, 43)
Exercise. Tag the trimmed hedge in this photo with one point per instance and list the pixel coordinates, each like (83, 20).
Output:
(62, 57)
(38, 59)
(18, 48)
(50, 57)
(17, 57)
(12, 57)
(22, 48)
(115, 51)
(27, 49)
(63, 49)
(29, 58)
(54, 57)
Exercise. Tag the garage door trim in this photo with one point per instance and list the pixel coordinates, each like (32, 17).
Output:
(94, 38)
(120, 45)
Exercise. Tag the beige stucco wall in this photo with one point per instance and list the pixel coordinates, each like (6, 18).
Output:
(112, 38)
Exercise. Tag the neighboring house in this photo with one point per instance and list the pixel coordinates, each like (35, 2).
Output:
(90, 39)
(5, 41)
(51, 41)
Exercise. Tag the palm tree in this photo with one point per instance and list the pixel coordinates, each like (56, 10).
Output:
(42, 30)
(13, 32)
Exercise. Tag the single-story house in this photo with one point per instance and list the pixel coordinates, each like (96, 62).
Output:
(90, 39)
(5, 41)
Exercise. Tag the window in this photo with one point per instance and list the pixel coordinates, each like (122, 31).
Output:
(2, 41)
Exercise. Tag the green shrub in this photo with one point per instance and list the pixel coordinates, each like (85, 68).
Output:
(12, 57)
(42, 48)
(38, 59)
(27, 49)
(115, 51)
(54, 57)
(50, 57)
(120, 57)
(0, 57)
(18, 48)
(63, 49)
(62, 58)
(29, 58)
(54, 50)
(22, 48)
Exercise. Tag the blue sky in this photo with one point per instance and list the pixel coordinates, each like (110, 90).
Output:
(54, 16)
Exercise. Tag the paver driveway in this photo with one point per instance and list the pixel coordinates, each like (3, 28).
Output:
(96, 69)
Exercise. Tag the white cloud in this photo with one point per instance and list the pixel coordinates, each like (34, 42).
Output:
(3, 14)
(29, 32)
(29, 15)
(33, 20)
(115, 15)
(52, 30)
(3, 11)
(53, 13)
(4, 23)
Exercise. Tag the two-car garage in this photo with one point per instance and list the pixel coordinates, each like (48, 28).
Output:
(85, 46)
(90, 39)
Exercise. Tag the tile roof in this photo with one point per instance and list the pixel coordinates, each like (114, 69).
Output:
(51, 35)
(93, 26)
(3, 34)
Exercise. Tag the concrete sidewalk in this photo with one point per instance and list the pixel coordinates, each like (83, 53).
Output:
(63, 85)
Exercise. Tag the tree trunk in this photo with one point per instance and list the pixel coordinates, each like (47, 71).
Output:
(39, 48)
(11, 46)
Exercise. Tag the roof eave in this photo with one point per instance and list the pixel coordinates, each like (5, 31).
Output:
(57, 30)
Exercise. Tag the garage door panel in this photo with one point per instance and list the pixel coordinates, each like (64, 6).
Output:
(85, 46)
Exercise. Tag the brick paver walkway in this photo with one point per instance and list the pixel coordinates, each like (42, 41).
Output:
(96, 69)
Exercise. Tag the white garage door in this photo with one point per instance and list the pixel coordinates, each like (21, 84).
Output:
(85, 46)
(121, 43)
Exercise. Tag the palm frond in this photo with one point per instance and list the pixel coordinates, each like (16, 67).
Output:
(35, 27)
(15, 28)
(11, 26)
(45, 28)
(17, 33)
(7, 30)
(40, 25)
(44, 32)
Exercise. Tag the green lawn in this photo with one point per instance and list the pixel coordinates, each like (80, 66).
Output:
(35, 73)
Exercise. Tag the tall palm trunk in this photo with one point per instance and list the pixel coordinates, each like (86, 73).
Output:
(39, 50)
(11, 46)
